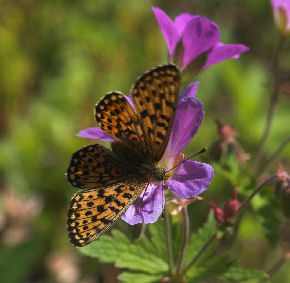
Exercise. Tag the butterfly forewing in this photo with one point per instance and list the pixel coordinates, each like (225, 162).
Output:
(94, 166)
(94, 211)
(155, 96)
(117, 117)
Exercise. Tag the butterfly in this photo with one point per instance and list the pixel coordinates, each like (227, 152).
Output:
(113, 179)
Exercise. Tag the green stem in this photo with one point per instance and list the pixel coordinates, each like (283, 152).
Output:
(201, 251)
(168, 239)
(186, 232)
(273, 104)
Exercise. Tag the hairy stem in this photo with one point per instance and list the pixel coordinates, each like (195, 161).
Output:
(273, 103)
(168, 239)
(186, 232)
(249, 198)
(201, 251)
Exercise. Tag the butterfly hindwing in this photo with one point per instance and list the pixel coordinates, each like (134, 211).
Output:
(94, 166)
(155, 96)
(93, 211)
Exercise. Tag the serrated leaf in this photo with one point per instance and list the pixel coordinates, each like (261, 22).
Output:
(106, 248)
(118, 249)
(239, 273)
(270, 223)
(212, 268)
(157, 235)
(199, 239)
(132, 277)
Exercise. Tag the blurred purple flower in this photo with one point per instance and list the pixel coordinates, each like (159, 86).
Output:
(189, 36)
(188, 180)
(281, 11)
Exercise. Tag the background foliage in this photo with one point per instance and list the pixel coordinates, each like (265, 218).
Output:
(57, 59)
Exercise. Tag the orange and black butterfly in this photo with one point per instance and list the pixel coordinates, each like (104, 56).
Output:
(113, 179)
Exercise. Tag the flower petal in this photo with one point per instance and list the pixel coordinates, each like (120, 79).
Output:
(224, 51)
(168, 29)
(189, 91)
(281, 10)
(200, 34)
(191, 179)
(182, 20)
(188, 118)
(95, 133)
(151, 206)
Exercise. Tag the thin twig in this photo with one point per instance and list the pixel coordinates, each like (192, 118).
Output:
(186, 232)
(275, 155)
(201, 251)
(273, 103)
(249, 198)
(168, 239)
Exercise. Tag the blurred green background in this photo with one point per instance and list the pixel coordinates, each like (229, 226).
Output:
(57, 59)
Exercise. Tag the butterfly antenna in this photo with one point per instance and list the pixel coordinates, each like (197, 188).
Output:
(204, 149)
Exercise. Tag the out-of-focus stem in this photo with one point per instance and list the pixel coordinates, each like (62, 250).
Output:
(186, 232)
(275, 155)
(201, 251)
(273, 103)
(275, 268)
(168, 239)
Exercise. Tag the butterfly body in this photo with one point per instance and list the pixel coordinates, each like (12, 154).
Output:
(113, 179)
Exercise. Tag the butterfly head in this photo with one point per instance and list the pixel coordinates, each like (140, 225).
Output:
(159, 174)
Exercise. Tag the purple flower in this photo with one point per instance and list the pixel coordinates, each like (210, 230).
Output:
(191, 36)
(188, 180)
(281, 10)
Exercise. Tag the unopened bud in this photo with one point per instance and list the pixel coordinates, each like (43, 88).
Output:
(218, 213)
(227, 133)
(231, 207)
(282, 190)
(281, 11)
(285, 200)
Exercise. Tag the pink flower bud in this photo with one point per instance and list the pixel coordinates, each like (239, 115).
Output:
(231, 207)
(218, 213)
(227, 134)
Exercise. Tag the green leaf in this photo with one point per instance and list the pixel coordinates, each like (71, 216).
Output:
(117, 248)
(212, 268)
(238, 273)
(199, 239)
(222, 267)
(158, 238)
(129, 277)
(107, 248)
(270, 223)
